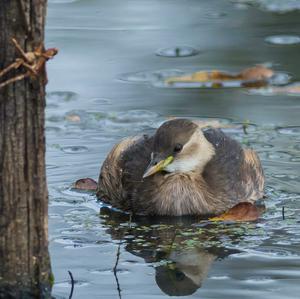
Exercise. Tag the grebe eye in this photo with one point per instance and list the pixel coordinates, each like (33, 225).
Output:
(177, 148)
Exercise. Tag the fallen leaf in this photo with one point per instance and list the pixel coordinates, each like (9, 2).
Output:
(203, 76)
(243, 211)
(87, 184)
(73, 118)
(255, 76)
(256, 73)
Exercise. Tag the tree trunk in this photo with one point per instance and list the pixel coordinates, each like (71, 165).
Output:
(24, 259)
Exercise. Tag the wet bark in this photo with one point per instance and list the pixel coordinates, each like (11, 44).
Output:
(24, 260)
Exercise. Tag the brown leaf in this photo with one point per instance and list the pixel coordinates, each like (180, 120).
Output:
(87, 184)
(259, 74)
(256, 73)
(243, 211)
(73, 118)
(202, 76)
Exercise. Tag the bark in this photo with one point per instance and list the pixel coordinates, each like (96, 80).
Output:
(24, 259)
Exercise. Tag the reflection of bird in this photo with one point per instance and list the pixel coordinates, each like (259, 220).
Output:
(186, 273)
(182, 169)
(181, 253)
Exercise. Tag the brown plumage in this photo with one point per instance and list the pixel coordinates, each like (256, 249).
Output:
(182, 169)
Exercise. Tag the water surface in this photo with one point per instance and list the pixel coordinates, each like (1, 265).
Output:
(97, 95)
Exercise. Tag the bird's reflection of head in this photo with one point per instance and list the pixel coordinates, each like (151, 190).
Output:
(179, 249)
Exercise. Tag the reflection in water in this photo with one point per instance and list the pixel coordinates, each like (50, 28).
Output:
(181, 252)
(186, 272)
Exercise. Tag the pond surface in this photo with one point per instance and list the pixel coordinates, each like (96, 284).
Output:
(101, 90)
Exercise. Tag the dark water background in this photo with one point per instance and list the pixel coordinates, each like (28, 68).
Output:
(101, 90)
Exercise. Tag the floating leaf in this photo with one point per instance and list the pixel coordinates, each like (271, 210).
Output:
(243, 211)
(251, 77)
(87, 184)
(73, 118)
(256, 73)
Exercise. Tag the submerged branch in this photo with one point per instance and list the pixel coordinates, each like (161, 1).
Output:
(72, 284)
(115, 269)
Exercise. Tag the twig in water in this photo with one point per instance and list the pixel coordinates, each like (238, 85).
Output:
(282, 212)
(72, 284)
(115, 270)
(245, 126)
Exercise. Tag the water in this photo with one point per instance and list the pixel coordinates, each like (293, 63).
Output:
(101, 90)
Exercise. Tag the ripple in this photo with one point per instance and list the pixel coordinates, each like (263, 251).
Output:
(67, 284)
(259, 280)
(70, 191)
(219, 277)
(277, 251)
(279, 155)
(101, 101)
(51, 166)
(178, 51)
(241, 128)
(132, 120)
(267, 145)
(62, 1)
(63, 241)
(241, 6)
(275, 156)
(58, 96)
(283, 39)
(55, 118)
(150, 76)
(108, 271)
(289, 130)
(295, 159)
(135, 116)
(65, 202)
(52, 106)
(216, 15)
(74, 149)
(75, 242)
(55, 216)
(275, 6)
(280, 78)
(285, 176)
(53, 129)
